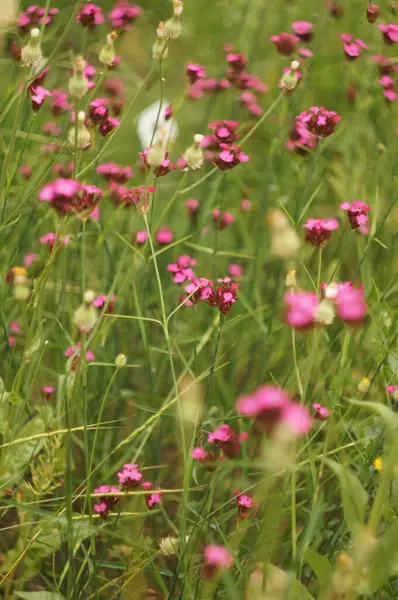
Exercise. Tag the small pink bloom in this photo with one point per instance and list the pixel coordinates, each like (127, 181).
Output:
(130, 476)
(319, 121)
(245, 504)
(319, 231)
(265, 404)
(107, 501)
(223, 296)
(303, 29)
(229, 157)
(222, 220)
(225, 437)
(73, 351)
(350, 304)
(246, 204)
(182, 268)
(235, 270)
(391, 389)
(390, 95)
(123, 14)
(15, 327)
(164, 235)
(198, 289)
(90, 15)
(236, 62)
(301, 309)
(300, 139)
(216, 558)
(390, 33)
(108, 126)
(297, 418)
(165, 166)
(322, 411)
(29, 259)
(25, 171)
(285, 43)
(100, 301)
(12, 340)
(357, 213)
(199, 454)
(37, 96)
(141, 236)
(192, 206)
(195, 72)
(372, 12)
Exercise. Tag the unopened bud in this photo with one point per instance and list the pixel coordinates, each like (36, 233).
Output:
(364, 385)
(344, 560)
(291, 280)
(155, 156)
(107, 53)
(289, 81)
(121, 360)
(277, 220)
(177, 8)
(193, 156)
(31, 54)
(85, 317)
(83, 138)
(331, 291)
(295, 65)
(169, 546)
(159, 50)
(325, 312)
(172, 28)
(78, 84)
(285, 243)
(89, 295)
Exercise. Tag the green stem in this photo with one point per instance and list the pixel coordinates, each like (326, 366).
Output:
(213, 365)
(298, 378)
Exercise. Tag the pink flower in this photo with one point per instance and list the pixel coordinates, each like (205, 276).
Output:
(297, 418)
(113, 172)
(194, 72)
(390, 95)
(59, 102)
(108, 126)
(216, 558)
(12, 340)
(305, 52)
(352, 49)
(319, 121)
(236, 62)
(357, 213)
(322, 411)
(192, 206)
(164, 235)
(372, 12)
(153, 498)
(265, 404)
(29, 259)
(106, 502)
(35, 15)
(245, 504)
(98, 110)
(164, 167)
(235, 270)
(15, 327)
(224, 295)
(90, 15)
(386, 64)
(319, 231)
(123, 14)
(100, 301)
(249, 81)
(222, 220)
(74, 351)
(141, 237)
(25, 171)
(303, 29)
(68, 195)
(225, 437)
(51, 128)
(285, 43)
(301, 309)
(130, 476)
(182, 268)
(48, 390)
(199, 454)
(391, 389)
(350, 304)
(224, 132)
(246, 205)
(198, 289)
(390, 33)
(300, 139)
(38, 95)
(49, 239)
(168, 113)
(229, 157)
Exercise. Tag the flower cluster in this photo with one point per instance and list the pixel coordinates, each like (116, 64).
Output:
(357, 213)
(352, 47)
(90, 15)
(181, 269)
(224, 295)
(33, 16)
(319, 121)
(99, 115)
(69, 196)
(319, 231)
(301, 140)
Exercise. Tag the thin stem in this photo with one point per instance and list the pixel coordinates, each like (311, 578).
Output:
(298, 378)
(311, 170)
(318, 284)
(155, 128)
(213, 365)
(294, 515)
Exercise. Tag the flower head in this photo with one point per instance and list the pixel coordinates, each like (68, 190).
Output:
(352, 48)
(245, 504)
(319, 231)
(285, 43)
(194, 72)
(130, 476)
(37, 95)
(265, 404)
(321, 411)
(300, 139)
(390, 33)
(222, 220)
(90, 15)
(319, 121)
(372, 12)
(106, 501)
(224, 132)
(123, 14)
(164, 235)
(297, 418)
(164, 166)
(229, 157)
(301, 309)
(199, 453)
(357, 213)
(216, 558)
(181, 269)
(113, 172)
(192, 206)
(303, 30)
(198, 289)
(224, 295)
(350, 303)
(226, 438)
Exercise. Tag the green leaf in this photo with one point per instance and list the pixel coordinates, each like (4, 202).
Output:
(39, 596)
(389, 416)
(15, 459)
(320, 565)
(354, 496)
(297, 591)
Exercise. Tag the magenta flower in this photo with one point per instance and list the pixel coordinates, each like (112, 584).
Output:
(303, 30)
(59, 102)
(100, 301)
(246, 205)
(29, 259)
(74, 351)
(90, 15)
(37, 96)
(25, 171)
(130, 476)
(226, 438)
(141, 237)
(285, 43)
(319, 231)
(319, 121)
(123, 14)
(182, 268)
(352, 48)
(297, 418)
(224, 132)
(322, 411)
(98, 110)
(113, 172)
(386, 64)
(198, 289)
(390, 94)
(265, 405)
(390, 33)
(372, 12)
(224, 295)
(235, 270)
(236, 62)
(164, 167)
(34, 15)
(49, 239)
(194, 72)
(245, 504)
(249, 81)
(357, 213)
(153, 498)
(139, 196)
(229, 157)
(350, 304)
(301, 309)
(106, 501)
(168, 113)
(164, 235)
(108, 126)
(192, 206)
(222, 220)
(216, 558)
(199, 453)
(68, 195)
(391, 389)
(300, 139)
(48, 390)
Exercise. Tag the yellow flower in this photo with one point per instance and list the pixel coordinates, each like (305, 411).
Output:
(378, 463)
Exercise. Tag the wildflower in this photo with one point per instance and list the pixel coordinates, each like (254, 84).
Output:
(141, 237)
(123, 14)
(78, 85)
(250, 81)
(199, 454)
(25, 171)
(386, 64)
(357, 213)
(153, 498)
(108, 126)
(98, 110)
(390, 33)
(182, 268)
(224, 132)
(300, 139)
(193, 156)
(372, 12)
(130, 476)
(198, 289)
(156, 157)
(194, 72)
(75, 350)
(301, 309)
(378, 463)
(173, 26)
(265, 405)
(90, 15)
(319, 121)
(59, 102)
(31, 54)
(364, 385)
(303, 30)
(296, 417)
(285, 43)
(192, 206)
(225, 437)
(352, 48)
(322, 411)
(169, 545)
(246, 205)
(229, 157)
(216, 559)
(236, 271)
(249, 101)
(29, 259)
(113, 172)
(106, 502)
(86, 316)
(68, 195)
(33, 16)
(101, 301)
(82, 139)
(164, 235)
(350, 304)
(236, 63)
(224, 295)
(222, 220)
(138, 197)
(50, 238)
(107, 54)
(37, 96)
(245, 504)
(48, 390)
(319, 231)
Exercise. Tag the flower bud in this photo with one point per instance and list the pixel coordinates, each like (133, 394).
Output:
(121, 361)
(159, 49)
(289, 81)
(107, 53)
(193, 156)
(290, 280)
(284, 244)
(172, 28)
(83, 135)
(331, 291)
(78, 84)
(177, 8)
(31, 54)
(85, 317)
(295, 65)
(325, 312)
(155, 155)
(169, 545)
(364, 385)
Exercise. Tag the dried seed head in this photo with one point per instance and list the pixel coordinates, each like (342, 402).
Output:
(107, 53)
(78, 84)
